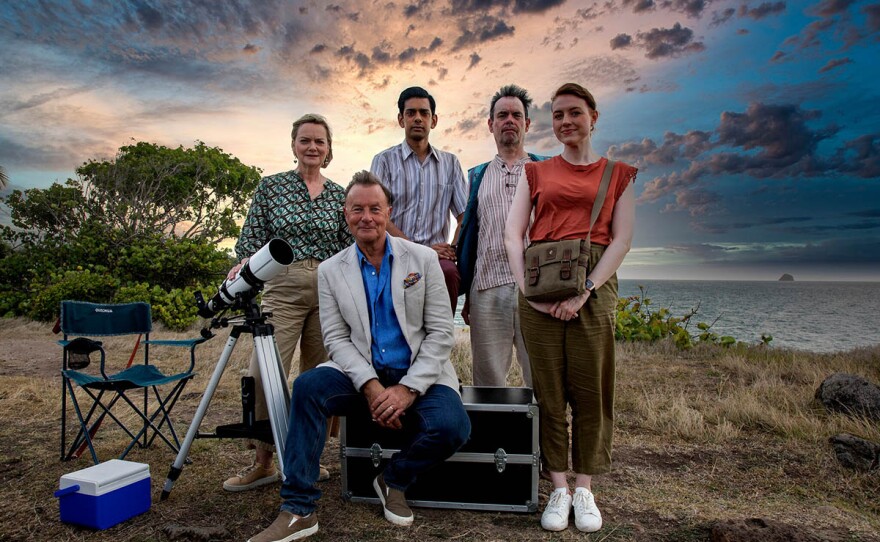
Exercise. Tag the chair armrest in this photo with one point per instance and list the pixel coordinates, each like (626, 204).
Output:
(180, 343)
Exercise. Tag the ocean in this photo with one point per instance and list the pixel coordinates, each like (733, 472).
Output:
(813, 316)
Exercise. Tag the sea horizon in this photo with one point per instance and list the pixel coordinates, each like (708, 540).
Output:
(838, 316)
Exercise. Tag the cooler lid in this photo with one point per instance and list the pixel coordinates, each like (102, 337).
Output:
(106, 477)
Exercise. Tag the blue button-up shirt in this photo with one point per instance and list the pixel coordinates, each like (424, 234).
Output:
(389, 347)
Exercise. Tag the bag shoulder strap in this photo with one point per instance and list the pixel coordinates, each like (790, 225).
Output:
(600, 195)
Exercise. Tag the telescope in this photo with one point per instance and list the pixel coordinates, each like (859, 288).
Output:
(247, 283)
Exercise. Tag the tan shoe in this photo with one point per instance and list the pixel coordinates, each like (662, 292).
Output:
(323, 473)
(252, 477)
(287, 527)
(393, 502)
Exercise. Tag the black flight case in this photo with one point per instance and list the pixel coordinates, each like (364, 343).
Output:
(497, 469)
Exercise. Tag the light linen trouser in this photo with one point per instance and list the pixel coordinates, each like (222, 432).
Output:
(495, 331)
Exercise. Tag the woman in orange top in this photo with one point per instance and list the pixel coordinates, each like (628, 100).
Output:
(571, 342)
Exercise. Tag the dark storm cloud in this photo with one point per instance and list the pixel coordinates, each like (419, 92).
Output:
(32, 151)
(872, 12)
(674, 147)
(182, 42)
(691, 8)
(318, 48)
(763, 10)
(764, 142)
(834, 63)
(481, 30)
(379, 55)
(412, 10)
(358, 58)
(757, 222)
(466, 125)
(149, 16)
(519, 6)
(475, 59)
(721, 17)
(837, 21)
(590, 13)
(251, 49)
(828, 8)
(779, 133)
(639, 6)
(8, 106)
(621, 41)
(860, 157)
(697, 201)
(868, 213)
(411, 53)
(669, 42)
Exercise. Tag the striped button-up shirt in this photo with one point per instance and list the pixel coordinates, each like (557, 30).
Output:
(424, 192)
(495, 197)
(282, 207)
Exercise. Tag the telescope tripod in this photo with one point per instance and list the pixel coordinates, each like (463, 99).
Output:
(274, 385)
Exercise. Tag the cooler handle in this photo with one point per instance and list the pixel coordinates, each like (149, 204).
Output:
(67, 491)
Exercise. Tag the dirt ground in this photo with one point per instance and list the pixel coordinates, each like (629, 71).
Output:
(661, 489)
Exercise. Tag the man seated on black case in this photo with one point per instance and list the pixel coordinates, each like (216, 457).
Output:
(386, 326)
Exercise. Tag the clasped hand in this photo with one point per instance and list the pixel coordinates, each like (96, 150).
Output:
(565, 310)
(387, 405)
(444, 251)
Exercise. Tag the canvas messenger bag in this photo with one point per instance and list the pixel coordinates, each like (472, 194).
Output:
(557, 270)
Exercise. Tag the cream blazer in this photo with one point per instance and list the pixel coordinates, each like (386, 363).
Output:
(421, 303)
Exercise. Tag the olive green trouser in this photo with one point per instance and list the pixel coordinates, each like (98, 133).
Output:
(573, 364)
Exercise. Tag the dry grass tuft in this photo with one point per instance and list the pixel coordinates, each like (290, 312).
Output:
(702, 435)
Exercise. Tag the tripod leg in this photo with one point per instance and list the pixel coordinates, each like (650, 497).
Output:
(177, 466)
(275, 390)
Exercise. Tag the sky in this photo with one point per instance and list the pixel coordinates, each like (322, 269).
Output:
(754, 124)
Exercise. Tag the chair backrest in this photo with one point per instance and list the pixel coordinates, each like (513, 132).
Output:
(83, 318)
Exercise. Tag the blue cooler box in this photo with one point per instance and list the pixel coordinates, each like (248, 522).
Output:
(104, 495)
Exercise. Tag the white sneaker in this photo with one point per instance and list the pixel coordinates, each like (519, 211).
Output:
(555, 516)
(587, 517)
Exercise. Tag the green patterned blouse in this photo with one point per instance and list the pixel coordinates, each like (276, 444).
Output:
(283, 208)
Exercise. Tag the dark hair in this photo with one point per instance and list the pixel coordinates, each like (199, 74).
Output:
(511, 91)
(313, 118)
(365, 178)
(415, 92)
(574, 89)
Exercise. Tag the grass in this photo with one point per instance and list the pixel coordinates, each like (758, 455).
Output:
(702, 435)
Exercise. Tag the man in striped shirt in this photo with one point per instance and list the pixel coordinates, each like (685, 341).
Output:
(490, 306)
(427, 184)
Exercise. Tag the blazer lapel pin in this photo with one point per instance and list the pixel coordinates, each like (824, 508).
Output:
(411, 280)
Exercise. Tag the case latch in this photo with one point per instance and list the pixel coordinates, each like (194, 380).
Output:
(500, 459)
(376, 454)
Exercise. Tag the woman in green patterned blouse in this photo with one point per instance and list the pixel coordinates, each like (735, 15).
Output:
(305, 209)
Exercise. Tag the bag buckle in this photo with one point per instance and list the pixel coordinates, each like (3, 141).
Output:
(534, 272)
(565, 270)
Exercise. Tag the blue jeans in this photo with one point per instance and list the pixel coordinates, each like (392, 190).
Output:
(436, 426)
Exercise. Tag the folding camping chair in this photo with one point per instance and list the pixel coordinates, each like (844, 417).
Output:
(80, 321)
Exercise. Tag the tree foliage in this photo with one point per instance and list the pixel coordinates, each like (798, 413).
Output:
(144, 225)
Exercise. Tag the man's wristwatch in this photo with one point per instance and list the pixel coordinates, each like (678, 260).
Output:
(413, 391)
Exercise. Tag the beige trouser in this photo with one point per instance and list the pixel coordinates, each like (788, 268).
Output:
(292, 298)
(573, 364)
(494, 328)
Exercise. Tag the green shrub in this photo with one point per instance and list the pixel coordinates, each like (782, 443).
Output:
(637, 321)
(177, 309)
(94, 285)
